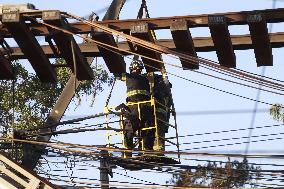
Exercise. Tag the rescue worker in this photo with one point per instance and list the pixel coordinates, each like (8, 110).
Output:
(163, 99)
(138, 90)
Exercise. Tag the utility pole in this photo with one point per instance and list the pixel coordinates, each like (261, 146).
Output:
(33, 153)
(105, 170)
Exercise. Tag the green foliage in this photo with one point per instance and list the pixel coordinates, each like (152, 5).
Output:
(26, 102)
(276, 111)
(232, 174)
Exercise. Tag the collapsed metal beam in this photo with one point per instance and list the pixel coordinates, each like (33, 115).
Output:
(29, 45)
(141, 30)
(64, 43)
(183, 42)
(201, 44)
(260, 39)
(222, 41)
(233, 18)
(113, 60)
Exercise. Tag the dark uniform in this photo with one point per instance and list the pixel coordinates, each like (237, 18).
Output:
(138, 90)
(163, 98)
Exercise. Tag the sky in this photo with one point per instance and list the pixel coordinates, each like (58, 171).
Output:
(189, 97)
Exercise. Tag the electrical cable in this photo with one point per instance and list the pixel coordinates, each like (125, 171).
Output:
(59, 146)
(257, 95)
(233, 138)
(99, 43)
(236, 143)
(227, 131)
(104, 45)
(162, 49)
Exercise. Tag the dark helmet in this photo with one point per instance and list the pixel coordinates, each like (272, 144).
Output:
(136, 65)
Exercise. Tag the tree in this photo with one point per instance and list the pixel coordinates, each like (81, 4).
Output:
(276, 111)
(230, 174)
(26, 101)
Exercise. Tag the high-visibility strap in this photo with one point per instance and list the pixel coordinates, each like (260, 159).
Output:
(137, 92)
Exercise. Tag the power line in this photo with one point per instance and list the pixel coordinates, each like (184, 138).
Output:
(258, 94)
(233, 138)
(109, 46)
(236, 143)
(226, 131)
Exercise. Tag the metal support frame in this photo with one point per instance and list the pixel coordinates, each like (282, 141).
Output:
(201, 44)
(183, 42)
(141, 30)
(260, 39)
(29, 45)
(114, 61)
(222, 41)
(233, 18)
(64, 42)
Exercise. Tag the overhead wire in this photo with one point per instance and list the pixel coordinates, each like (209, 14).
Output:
(269, 171)
(102, 44)
(75, 130)
(227, 131)
(71, 121)
(91, 39)
(166, 50)
(181, 167)
(258, 94)
(236, 143)
(233, 138)
(60, 146)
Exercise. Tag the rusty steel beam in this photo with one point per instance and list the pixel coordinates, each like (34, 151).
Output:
(6, 69)
(233, 18)
(141, 30)
(64, 44)
(222, 41)
(183, 42)
(202, 44)
(29, 45)
(113, 60)
(260, 39)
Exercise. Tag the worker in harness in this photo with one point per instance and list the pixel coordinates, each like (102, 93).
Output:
(138, 90)
(163, 100)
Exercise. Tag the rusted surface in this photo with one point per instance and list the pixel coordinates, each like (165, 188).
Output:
(260, 39)
(64, 42)
(141, 30)
(202, 44)
(183, 42)
(233, 18)
(29, 45)
(222, 41)
(113, 60)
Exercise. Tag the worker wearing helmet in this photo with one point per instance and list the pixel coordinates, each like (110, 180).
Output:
(138, 90)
